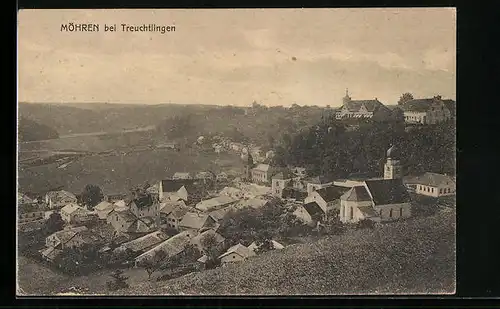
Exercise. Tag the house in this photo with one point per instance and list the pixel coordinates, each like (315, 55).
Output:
(205, 176)
(171, 213)
(310, 213)
(72, 213)
(215, 203)
(219, 214)
(194, 222)
(317, 182)
(232, 192)
(103, 209)
(327, 198)
(197, 240)
(254, 203)
(274, 245)
(142, 244)
(377, 200)
(114, 197)
(170, 247)
(282, 180)
(65, 238)
(372, 109)
(144, 206)
(179, 175)
(170, 189)
(428, 111)
(262, 173)
(236, 253)
(122, 220)
(221, 177)
(59, 199)
(433, 184)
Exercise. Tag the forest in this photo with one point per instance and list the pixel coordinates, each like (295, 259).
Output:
(334, 148)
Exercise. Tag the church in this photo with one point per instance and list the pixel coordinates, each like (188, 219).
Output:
(379, 200)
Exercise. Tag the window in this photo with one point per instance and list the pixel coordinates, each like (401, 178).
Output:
(390, 213)
(440, 191)
(432, 190)
(449, 190)
(401, 211)
(352, 213)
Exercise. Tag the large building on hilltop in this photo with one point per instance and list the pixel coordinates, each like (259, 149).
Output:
(373, 109)
(429, 111)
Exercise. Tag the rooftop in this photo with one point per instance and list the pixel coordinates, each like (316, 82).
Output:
(356, 193)
(331, 193)
(388, 191)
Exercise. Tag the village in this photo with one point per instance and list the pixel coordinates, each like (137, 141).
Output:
(182, 223)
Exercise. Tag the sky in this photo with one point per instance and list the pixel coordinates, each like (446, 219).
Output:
(237, 56)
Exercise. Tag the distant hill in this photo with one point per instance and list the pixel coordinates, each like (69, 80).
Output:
(97, 117)
(29, 130)
(256, 123)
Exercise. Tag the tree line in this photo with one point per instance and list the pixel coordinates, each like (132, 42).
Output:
(334, 148)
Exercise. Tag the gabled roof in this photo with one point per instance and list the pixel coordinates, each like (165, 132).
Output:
(144, 242)
(423, 105)
(193, 220)
(167, 207)
(71, 208)
(276, 245)
(59, 195)
(432, 179)
(357, 194)
(172, 246)
(331, 193)
(388, 191)
(215, 203)
(67, 234)
(262, 167)
(239, 249)
(313, 209)
(368, 211)
(197, 240)
(104, 205)
(173, 185)
(127, 216)
(219, 214)
(370, 105)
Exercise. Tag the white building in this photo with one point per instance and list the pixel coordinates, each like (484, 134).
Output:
(433, 184)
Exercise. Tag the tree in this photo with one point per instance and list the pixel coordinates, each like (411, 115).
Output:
(91, 196)
(54, 223)
(119, 281)
(405, 97)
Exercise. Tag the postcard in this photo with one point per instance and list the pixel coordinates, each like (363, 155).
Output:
(236, 152)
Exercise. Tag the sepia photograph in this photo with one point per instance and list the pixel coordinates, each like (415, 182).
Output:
(236, 152)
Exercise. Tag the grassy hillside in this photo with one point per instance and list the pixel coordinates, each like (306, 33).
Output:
(410, 257)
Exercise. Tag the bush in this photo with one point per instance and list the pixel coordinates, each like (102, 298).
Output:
(119, 281)
(365, 223)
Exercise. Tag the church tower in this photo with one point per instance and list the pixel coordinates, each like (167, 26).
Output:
(392, 167)
(347, 98)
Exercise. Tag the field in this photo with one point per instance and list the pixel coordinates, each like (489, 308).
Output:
(416, 256)
(117, 172)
